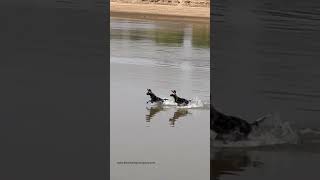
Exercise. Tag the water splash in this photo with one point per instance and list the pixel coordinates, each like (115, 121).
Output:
(310, 135)
(194, 104)
(309, 131)
(169, 102)
(277, 132)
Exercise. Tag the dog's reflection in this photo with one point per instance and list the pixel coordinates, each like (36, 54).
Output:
(152, 112)
(178, 114)
(155, 110)
(230, 162)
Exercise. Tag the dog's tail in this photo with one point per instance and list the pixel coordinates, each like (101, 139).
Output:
(260, 120)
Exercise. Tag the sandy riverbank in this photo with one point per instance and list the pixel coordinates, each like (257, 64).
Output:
(160, 12)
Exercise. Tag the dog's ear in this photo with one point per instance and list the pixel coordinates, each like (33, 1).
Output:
(173, 91)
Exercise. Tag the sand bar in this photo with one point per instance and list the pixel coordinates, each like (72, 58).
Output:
(160, 12)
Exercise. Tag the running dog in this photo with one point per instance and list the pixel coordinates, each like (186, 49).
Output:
(154, 98)
(178, 100)
(234, 128)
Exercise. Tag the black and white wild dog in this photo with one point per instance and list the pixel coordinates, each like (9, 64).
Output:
(225, 125)
(180, 101)
(154, 98)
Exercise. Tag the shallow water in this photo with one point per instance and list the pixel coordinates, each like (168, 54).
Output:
(161, 56)
(265, 60)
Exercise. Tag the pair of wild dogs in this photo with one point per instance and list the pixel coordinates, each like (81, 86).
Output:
(155, 99)
(223, 125)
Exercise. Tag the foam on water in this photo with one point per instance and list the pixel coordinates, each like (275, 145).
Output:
(195, 103)
(276, 133)
(309, 131)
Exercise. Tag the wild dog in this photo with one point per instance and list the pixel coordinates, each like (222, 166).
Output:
(225, 125)
(154, 98)
(180, 101)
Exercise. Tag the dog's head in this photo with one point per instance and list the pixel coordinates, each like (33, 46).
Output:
(174, 93)
(149, 92)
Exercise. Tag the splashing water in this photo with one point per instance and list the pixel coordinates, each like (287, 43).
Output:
(277, 133)
(309, 131)
(194, 104)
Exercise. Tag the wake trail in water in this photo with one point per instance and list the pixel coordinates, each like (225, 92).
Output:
(195, 103)
(309, 131)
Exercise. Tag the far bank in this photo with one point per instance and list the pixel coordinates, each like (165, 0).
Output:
(160, 12)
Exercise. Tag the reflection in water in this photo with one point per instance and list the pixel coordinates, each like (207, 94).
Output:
(152, 112)
(136, 35)
(201, 36)
(169, 38)
(155, 110)
(230, 162)
(161, 35)
(178, 114)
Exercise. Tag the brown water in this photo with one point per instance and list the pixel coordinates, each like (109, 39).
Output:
(161, 56)
(265, 60)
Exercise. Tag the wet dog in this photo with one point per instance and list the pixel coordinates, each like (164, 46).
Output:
(231, 127)
(180, 101)
(154, 98)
